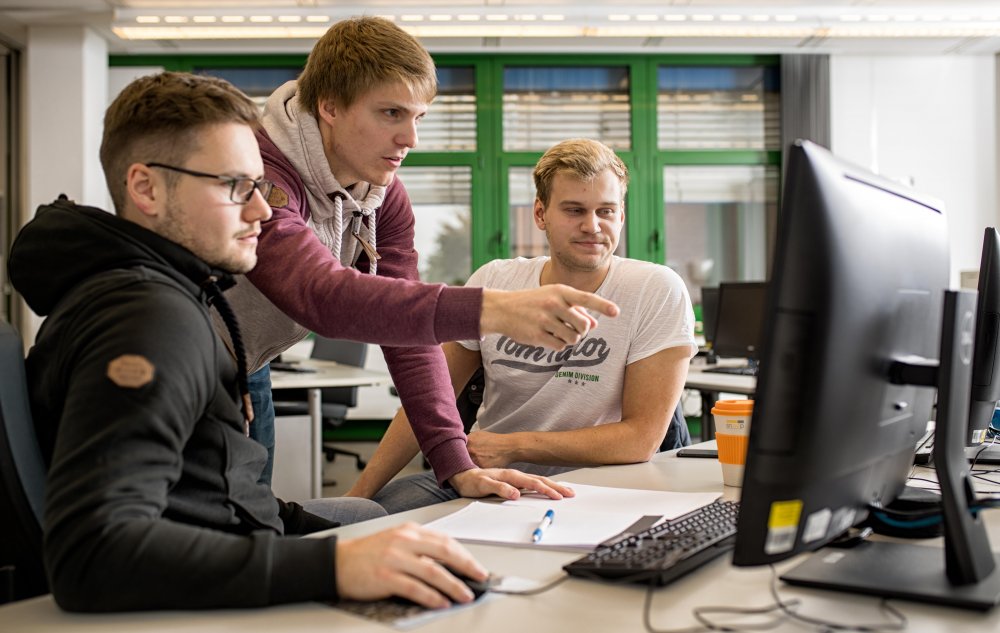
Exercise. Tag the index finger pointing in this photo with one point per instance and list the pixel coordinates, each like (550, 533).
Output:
(592, 302)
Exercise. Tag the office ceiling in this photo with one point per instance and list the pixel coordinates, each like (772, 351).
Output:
(777, 26)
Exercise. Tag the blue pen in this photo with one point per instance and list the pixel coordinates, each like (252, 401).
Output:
(542, 526)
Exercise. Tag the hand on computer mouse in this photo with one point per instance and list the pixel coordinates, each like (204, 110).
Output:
(408, 561)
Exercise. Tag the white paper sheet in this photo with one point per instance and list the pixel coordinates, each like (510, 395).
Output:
(594, 515)
(631, 501)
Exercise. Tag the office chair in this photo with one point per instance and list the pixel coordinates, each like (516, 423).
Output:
(471, 397)
(335, 400)
(22, 479)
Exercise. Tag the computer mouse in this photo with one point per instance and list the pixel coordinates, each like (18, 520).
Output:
(477, 587)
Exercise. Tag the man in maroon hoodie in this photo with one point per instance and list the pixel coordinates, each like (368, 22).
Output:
(332, 142)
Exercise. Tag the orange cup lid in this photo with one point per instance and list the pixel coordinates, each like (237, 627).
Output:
(733, 407)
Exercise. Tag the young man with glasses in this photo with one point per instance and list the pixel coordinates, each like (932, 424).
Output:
(152, 496)
(332, 142)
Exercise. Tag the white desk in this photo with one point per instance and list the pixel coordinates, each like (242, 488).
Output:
(711, 385)
(572, 607)
(327, 374)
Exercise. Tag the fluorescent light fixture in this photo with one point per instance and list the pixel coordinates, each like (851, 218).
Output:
(198, 22)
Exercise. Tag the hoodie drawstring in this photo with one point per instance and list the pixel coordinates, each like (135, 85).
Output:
(217, 299)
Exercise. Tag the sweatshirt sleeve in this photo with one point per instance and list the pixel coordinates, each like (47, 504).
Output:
(120, 449)
(420, 373)
(306, 282)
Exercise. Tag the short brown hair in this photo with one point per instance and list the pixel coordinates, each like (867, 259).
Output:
(359, 54)
(157, 118)
(580, 158)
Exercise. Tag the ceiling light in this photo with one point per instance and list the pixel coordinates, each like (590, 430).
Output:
(553, 17)
(289, 18)
(647, 17)
(233, 19)
(619, 17)
(148, 19)
(317, 18)
(261, 19)
(175, 19)
(441, 17)
(675, 17)
(731, 17)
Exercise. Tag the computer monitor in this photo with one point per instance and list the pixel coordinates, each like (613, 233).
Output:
(709, 313)
(740, 319)
(857, 298)
(985, 374)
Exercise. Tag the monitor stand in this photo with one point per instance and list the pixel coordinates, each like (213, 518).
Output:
(970, 574)
(983, 454)
(894, 570)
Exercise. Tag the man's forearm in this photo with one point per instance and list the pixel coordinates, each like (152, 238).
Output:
(397, 447)
(614, 443)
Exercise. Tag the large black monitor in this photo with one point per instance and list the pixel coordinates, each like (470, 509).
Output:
(857, 304)
(985, 373)
(740, 319)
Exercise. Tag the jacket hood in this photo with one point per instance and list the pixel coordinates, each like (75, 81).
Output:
(67, 243)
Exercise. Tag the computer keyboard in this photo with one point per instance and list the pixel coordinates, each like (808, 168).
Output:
(740, 370)
(665, 552)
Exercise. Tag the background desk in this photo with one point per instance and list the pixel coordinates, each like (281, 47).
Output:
(573, 606)
(327, 374)
(711, 385)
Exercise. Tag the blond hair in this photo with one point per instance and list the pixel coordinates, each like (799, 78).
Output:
(159, 118)
(358, 55)
(583, 159)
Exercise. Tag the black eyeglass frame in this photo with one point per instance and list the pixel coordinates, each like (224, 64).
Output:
(263, 185)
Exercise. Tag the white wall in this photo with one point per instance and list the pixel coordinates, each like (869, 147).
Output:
(66, 94)
(930, 120)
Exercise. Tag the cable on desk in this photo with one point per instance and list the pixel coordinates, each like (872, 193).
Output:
(785, 609)
(532, 592)
(706, 624)
(900, 622)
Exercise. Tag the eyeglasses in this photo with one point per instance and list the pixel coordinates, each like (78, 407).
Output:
(240, 189)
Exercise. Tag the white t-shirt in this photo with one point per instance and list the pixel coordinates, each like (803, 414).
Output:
(535, 389)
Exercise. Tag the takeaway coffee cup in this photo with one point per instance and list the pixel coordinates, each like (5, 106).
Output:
(732, 432)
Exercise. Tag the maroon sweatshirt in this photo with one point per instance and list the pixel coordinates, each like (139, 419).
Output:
(408, 318)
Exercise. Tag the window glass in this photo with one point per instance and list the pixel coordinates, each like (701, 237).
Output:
(257, 83)
(715, 219)
(545, 105)
(441, 198)
(450, 124)
(718, 108)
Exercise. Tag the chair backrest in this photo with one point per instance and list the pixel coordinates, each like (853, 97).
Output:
(22, 474)
(346, 353)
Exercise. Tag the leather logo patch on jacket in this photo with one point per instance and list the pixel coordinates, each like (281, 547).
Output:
(277, 197)
(131, 371)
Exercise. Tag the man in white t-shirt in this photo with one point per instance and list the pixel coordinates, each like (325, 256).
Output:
(607, 400)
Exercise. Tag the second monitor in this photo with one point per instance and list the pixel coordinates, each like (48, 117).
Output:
(739, 321)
